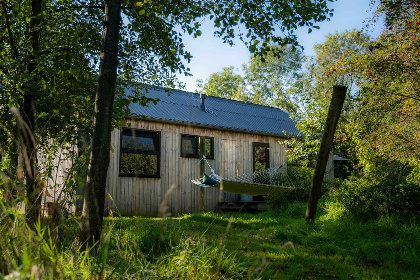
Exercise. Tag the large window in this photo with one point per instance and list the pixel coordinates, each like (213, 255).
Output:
(190, 146)
(140, 153)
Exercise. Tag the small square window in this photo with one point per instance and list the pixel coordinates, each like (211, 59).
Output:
(190, 146)
(140, 153)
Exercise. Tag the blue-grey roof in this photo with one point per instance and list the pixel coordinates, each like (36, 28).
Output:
(184, 107)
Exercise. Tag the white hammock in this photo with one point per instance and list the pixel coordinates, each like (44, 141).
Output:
(263, 182)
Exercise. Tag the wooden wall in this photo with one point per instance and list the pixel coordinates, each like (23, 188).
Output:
(54, 167)
(135, 196)
(232, 156)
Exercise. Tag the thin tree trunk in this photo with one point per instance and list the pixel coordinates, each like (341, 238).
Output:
(334, 111)
(94, 195)
(33, 206)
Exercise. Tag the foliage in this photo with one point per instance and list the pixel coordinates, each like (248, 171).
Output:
(153, 50)
(384, 128)
(47, 80)
(300, 178)
(260, 21)
(315, 90)
(380, 120)
(269, 79)
(59, 49)
(225, 84)
(363, 198)
(138, 163)
(273, 244)
(64, 76)
(272, 78)
(389, 101)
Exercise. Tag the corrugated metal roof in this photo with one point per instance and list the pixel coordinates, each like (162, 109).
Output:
(184, 107)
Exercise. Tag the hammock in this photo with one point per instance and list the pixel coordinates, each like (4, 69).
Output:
(264, 182)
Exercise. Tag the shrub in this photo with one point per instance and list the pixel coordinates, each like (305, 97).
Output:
(298, 177)
(362, 198)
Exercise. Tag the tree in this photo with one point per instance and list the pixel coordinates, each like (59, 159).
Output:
(321, 73)
(274, 76)
(382, 123)
(159, 21)
(225, 84)
(269, 79)
(93, 207)
(388, 125)
(46, 74)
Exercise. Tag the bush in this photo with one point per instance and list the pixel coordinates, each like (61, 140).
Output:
(298, 177)
(362, 198)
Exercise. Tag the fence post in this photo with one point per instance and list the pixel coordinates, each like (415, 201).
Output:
(334, 111)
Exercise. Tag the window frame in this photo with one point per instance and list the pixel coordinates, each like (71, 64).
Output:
(144, 133)
(195, 155)
(267, 153)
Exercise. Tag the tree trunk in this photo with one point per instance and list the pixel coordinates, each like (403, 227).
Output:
(94, 195)
(334, 111)
(33, 206)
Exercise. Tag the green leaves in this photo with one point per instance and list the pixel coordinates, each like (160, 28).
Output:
(252, 48)
(268, 79)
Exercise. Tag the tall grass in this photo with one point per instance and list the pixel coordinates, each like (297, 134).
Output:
(270, 245)
(129, 249)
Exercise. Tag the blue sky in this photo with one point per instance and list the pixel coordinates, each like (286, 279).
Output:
(210, 55)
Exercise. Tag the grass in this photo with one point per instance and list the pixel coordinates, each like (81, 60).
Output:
(270, 245)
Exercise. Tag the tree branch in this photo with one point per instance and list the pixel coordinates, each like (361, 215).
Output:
(9, 31)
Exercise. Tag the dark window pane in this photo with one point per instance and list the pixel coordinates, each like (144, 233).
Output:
(261, 162)
(146, 144)
(260, 158)
(208, 147)
(189, 145)
(140, 164)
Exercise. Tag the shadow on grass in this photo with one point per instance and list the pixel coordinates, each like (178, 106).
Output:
(279, 244)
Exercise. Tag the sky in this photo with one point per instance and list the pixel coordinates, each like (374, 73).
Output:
(211, 55)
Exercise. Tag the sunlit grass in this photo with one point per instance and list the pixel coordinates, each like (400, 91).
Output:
(269, 245)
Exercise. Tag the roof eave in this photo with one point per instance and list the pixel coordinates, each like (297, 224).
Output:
(143, 118)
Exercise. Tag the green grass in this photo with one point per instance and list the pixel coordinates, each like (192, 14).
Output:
(270, 245)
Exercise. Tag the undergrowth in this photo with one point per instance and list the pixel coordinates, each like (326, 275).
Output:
(276, 244)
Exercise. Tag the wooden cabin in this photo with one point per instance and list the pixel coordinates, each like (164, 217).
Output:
(155, 156)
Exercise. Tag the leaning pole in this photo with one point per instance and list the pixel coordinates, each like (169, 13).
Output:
(334, 111)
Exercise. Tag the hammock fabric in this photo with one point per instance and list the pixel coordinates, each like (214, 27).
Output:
(251, 184)
(248, 188)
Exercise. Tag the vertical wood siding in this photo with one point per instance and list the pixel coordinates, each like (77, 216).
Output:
(56, 174)
(133, 196)
(232, 157)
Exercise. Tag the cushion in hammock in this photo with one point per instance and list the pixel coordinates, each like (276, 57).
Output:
(207, 180)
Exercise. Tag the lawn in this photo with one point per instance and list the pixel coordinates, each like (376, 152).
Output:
(269, 245)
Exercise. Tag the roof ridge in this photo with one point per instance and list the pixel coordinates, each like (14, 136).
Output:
(224, 98)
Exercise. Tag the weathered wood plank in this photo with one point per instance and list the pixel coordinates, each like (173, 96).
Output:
(232, 156)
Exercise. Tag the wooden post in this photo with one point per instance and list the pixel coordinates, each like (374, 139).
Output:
(201, 152)
(334, 111)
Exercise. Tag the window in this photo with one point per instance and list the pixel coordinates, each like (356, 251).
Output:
(140, 153)
(261, 159)
(190, 146)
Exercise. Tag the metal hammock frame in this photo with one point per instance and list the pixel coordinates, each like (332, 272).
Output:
(268, 181)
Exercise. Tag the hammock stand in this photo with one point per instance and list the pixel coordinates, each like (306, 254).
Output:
(264, 182)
